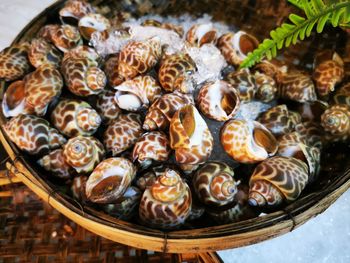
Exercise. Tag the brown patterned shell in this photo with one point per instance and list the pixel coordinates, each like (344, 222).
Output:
(106, 106)
(336, 122)
(162, 110)
(74, 117)
(214, 184)
(311, 132)
(47, 31)
(14, 63)
(82, 51)
(276, 180)
(342, 95)
(328, 72)
(279, 120)
(33, 134)
(152, 146)
(109, 180)
(83, 77)
(73, 10)
(137, 93)
(175, 72)
(91, 23)
(65, 37)
(41, 52)
(201, 34)
(266, 87)
(78, 188)
(236, 46)
(244, 82)
(218, 100)
(190, 136)
(54, 162)
(298, 87)
(139, 57)
(167, 203)
(41, 87)
(247, 142)
(111, 70)
(176, 28)
(83, 153)
(122, 133)
(273, 68)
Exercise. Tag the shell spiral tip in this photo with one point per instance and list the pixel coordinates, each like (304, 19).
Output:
(256, 199)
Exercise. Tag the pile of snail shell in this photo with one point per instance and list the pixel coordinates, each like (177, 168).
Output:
(129, 136)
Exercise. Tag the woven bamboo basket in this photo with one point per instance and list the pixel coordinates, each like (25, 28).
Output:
(257, 17)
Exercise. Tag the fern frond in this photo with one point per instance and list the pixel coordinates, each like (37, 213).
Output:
(317, 13)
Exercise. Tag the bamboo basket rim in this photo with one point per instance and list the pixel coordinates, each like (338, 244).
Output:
(204, 239)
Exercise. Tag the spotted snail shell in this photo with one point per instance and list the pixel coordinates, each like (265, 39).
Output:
(167, 203)
(54, 162)
(169, 26)
(137, 93)
(14, 63)
(83, 153)
(139, 57)
(247, 142)
(162, 110)
(244, 82)
(190, 136)
(78, 188)
(111, 70)
(109, 180)
(214, 184)
(273, 68)
(73, 10)
(33, 134)
(83, 77)
(65, 37)
(311, 132)
(91, 23)
(74, 117)
(82, 51)
(336, 122)
(342, 95)
(236, 46)
(41, 52)
(106, 106)
(152, 146)
(218, 100)
(148, 178)
(122, 133)
(276, 180)
(201, 34)
(266, 87)
(175, 73)
(279, 120)
(328, 71)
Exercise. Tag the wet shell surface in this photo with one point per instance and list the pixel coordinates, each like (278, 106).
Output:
(175, 73)
(276, 180)
(218, 100)
(163, 109)
(342, 95)
(214, 184)
(106, 106)
(336, 122)
(266, 87)
(14, 63)
(244, 82)
(33, 134)
(167, 203)
(78, 188)
(190, 136)
(111, 71)
(122, 133)
(201, 34)
(41, 52)
(54, 162)
(74, 117)
(83, 153)
(152, 146)
(91, 23)
(66, 37)
(73, 10)
(248, 142)
(84, 52)
(109, 180)
(312, 132)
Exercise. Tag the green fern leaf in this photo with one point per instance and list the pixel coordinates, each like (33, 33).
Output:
(297, 3)
(336, 16)
(322, 22)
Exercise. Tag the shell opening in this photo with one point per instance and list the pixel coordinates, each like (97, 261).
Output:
(14, 99)
(265, 139)
(247, 43)
(203, 29)
(188, 120)
(127, 101)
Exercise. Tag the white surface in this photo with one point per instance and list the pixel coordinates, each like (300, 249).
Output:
(323, 239)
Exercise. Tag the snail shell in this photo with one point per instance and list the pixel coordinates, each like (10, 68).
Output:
(122, 133)
(162, 110)
(273, 68)
(135, 94)
(298, 87)
(152, 146)
(83, 77)
(148, 178)
(201, 34)
(277, 179)
(106, 106)
(167, 203)
(236, 46)
(214, 184)
(73, 10)
(139, 57)
(175, 73)
(176, 28)
(47, 31)
(266, 87)
(311, 132)
(82, 51)
(328, 71)
(91, 23)
(33, 134)
(83, 153)
(247, 142)
(312, 111)
(190, 136)
(41, 52)
(342, 95)
(78, 188)
(14, 63)
(74, 117)
(218, 100)
(111, 70)
(54, 162)
(336, 122)
(244, 82)
(109, 180)
(65, 37)
(279, 120)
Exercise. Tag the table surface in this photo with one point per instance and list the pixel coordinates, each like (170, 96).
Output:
(325, 238)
